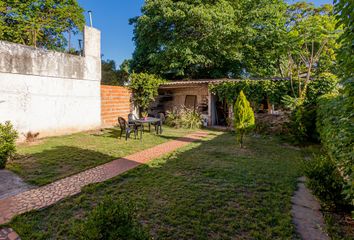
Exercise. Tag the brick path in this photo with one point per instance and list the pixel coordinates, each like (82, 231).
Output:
(47, 195)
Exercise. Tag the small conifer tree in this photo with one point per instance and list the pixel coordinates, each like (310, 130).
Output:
(243, 117)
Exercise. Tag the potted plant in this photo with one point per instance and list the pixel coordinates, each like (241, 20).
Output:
(144, 115)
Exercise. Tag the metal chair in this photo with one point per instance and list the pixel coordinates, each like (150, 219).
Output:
(158, 124)
(127, 128)
(132, 121)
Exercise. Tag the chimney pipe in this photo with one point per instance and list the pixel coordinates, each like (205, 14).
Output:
(90, 15)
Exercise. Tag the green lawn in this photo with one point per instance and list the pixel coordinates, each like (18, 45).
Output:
(208, 190)
(53, 158)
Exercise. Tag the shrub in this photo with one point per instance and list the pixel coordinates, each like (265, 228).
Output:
(243, 117)
(183, 117)
(302, 125)
(145, 89)
(8, 137)
(324, 179)
(336, 129)
(111, 220)
(303, 117)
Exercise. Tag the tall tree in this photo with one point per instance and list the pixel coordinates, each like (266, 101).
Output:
(40, 23)
(210, 38)
(113, 76)
(312, 35)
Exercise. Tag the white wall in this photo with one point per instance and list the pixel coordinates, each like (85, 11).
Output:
(49, 92)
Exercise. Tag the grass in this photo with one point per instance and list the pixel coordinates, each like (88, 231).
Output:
(208, 190)
(50, 159)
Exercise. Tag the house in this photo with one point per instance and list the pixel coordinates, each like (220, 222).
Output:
(193, 94)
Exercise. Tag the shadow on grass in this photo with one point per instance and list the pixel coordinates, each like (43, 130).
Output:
(206, 184)
(55, 163)
(115, 133)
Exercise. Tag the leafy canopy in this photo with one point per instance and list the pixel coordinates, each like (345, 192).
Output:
(145, 89)
(113, 76)
(40, 23)
(212, 38)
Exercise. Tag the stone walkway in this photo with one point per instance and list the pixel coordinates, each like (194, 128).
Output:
(306, 214)
(47, 195)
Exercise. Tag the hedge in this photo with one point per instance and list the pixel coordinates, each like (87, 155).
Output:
(335, 124)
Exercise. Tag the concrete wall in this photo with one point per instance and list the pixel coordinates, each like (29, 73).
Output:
(115, 102)
(50, 92)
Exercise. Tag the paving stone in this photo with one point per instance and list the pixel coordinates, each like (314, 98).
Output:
(306, 213)
(41, 197)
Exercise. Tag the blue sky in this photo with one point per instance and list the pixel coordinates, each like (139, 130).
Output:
(112, 18)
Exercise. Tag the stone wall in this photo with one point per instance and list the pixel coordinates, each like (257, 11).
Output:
(115, 102)
(50, 92)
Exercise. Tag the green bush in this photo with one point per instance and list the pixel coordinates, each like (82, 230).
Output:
(335, 124)
(302, 126)
(8, 136)
(183, 117)
(324, 179)
(145, 89)
(243, 117)
(111, 220)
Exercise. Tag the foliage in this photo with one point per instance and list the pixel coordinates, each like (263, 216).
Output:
(183, 117)
(255, 91)
(243, 116)
(8, 137)
(113, 76)
(145, 89)
(40, 23)
(336, 128)
(213, 38)
(303, 117)
(312, 35)
(324, 179)
(344, 10)
(111, 220)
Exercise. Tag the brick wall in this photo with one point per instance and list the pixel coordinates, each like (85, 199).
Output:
(115, 102)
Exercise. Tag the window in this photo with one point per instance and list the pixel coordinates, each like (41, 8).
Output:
(191, 101)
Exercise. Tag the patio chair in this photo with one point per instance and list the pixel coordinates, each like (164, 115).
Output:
(158, 124)
(131, 121)
(126, 128)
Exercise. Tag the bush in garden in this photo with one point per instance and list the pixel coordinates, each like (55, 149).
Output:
(303, 117)
(111, 220)
(183, 117)
(190, 118)
(145, 89)
(335, 124)
(243, 117)
(173, 118)
(324, 179)
(8, 136)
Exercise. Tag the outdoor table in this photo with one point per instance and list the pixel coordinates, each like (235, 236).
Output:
(148, 120)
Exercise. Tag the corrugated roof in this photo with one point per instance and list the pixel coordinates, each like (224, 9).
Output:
(213, 81)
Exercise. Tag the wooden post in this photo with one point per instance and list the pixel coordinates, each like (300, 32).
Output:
(209, 108)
